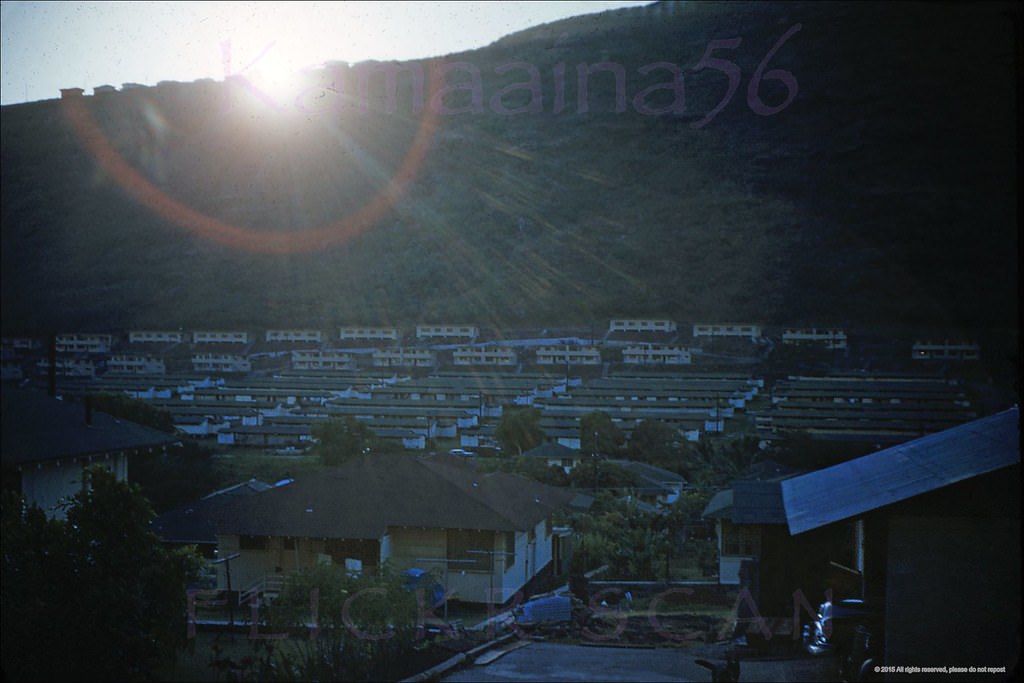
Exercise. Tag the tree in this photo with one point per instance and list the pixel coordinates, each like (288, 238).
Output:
(531, 468)
(657, 443)
(519, 430)
(97, 597)
(653, 440)
(599, 435)
(342, 439)
(174, 476)
(132, 409)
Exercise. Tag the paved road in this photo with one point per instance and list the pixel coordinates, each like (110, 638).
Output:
(557, 662)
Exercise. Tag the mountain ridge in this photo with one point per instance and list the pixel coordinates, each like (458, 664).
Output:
(881, 194)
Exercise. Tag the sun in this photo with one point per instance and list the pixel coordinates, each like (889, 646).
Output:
(269, 73)
(267, 46)
(273, 74)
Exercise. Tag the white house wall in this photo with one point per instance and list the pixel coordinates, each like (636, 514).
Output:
(51, 485)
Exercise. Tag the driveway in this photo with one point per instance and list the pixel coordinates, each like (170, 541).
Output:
(542, 661)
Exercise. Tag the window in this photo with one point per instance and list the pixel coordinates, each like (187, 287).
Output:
(462, 541)
(288, 543)
(510, 548)
(740, 539)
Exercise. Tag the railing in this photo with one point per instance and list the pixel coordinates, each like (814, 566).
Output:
(267, 586)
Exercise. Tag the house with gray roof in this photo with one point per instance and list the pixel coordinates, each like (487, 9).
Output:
(48, 443)
(488, 534)
(557, 455)
(656, 485)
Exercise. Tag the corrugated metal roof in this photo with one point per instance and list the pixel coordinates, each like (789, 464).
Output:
(894, 474)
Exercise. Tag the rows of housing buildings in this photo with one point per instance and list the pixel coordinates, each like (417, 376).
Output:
(452, 382)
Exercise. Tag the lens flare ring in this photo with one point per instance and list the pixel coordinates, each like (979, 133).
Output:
(237, 237)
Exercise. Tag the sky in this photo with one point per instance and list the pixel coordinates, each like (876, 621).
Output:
(47, 46)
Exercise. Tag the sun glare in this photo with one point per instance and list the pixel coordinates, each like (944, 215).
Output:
(269, 45)
(273, 75)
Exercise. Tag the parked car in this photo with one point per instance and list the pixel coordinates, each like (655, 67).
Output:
(852, 630)
(464, 453)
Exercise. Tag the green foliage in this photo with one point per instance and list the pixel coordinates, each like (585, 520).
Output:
(602, 475)
(367, 627)
(598, 434)
(630, 542)
(174, 476)
(653, 439)
(235, 467)
(134, 410)
(97, 597)
(529, 467)
(519, 430)
(715, 463)
(342, 439)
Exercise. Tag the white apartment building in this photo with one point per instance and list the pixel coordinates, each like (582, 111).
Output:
(219, 337)
(945, 350)
(293, 336)
(21, 343)
(641, 325)
(484, 355)
(372, 333)
(136, 364)
(220, 362)
(656, 354)
(84, 343)
(831, 338)
(568, 355)
(155, 337)
(399, 357)
(71, 367)
(321, 360)
(449, 331)
(745, 330)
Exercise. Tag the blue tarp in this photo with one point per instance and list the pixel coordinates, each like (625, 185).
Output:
(418, 579)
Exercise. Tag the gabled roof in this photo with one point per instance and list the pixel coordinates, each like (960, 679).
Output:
(367, 495)
(720, 506)
(901, 472)
(192, 523)
(553, 450)
(40, 428)
(755, 496)
(757, 502)
(650, 473)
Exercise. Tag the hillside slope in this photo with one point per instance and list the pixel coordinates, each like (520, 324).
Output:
(884, 192)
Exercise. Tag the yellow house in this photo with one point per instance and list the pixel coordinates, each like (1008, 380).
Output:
(484, 535)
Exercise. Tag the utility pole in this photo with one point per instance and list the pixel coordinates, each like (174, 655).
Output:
(226, 561)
